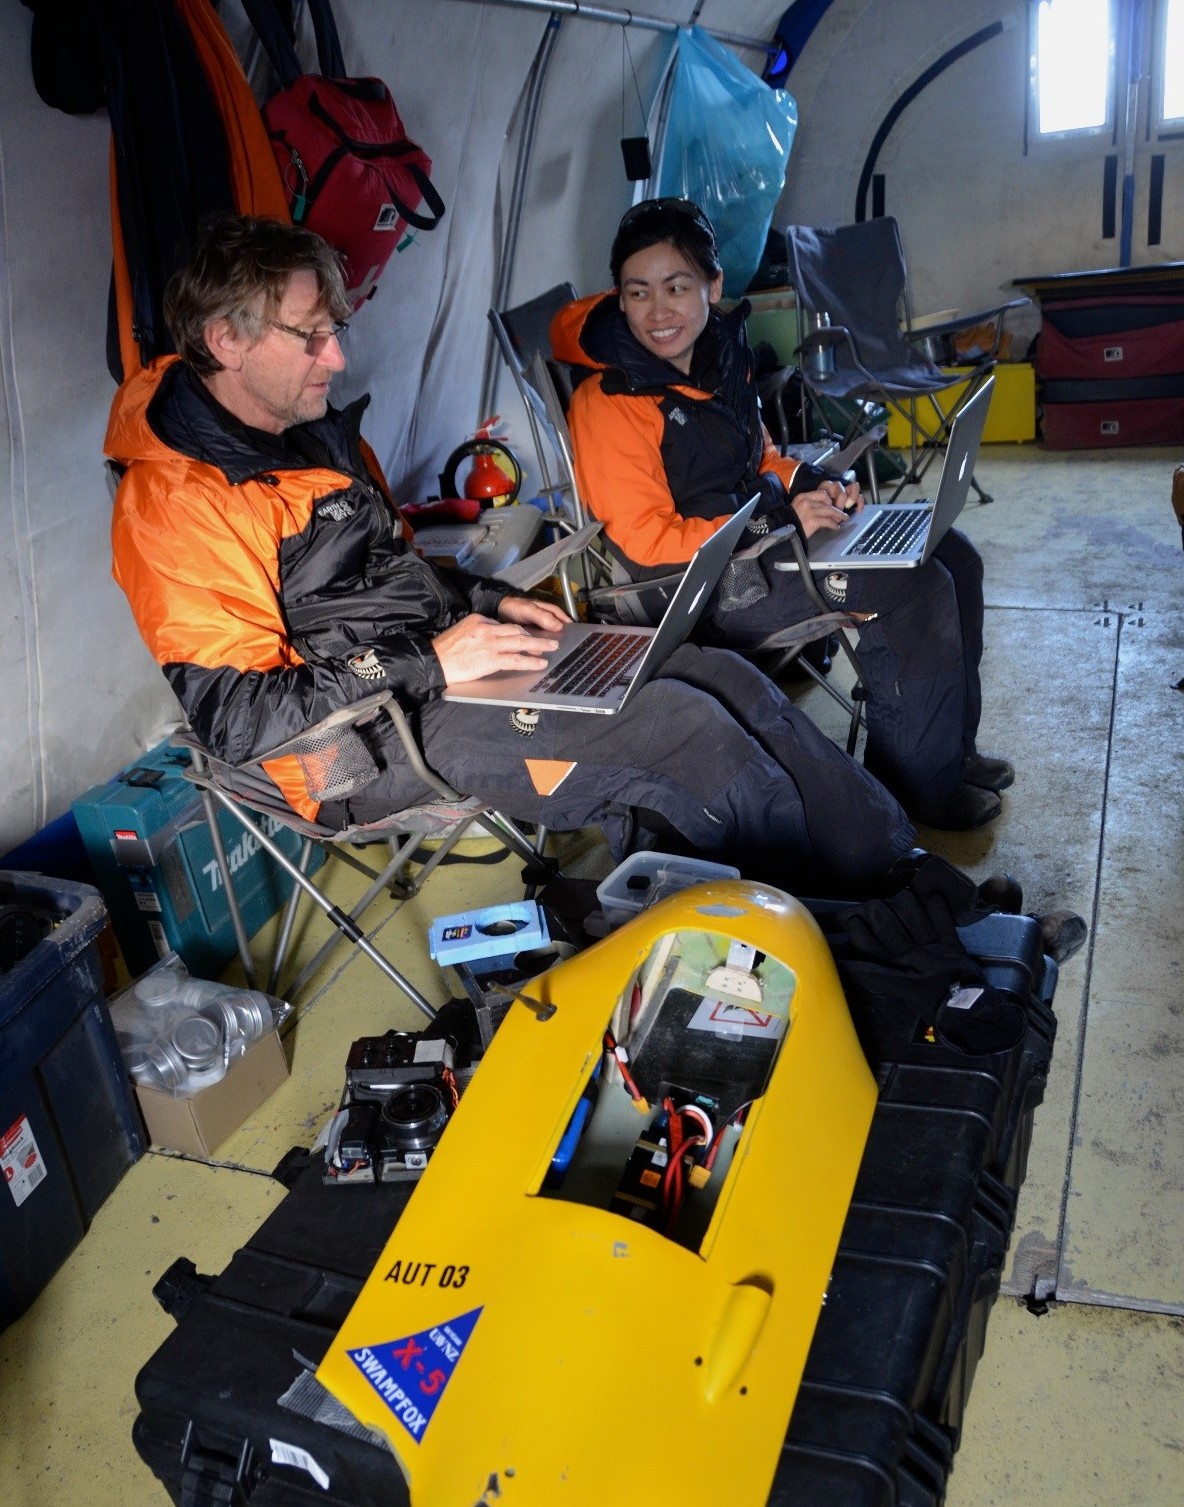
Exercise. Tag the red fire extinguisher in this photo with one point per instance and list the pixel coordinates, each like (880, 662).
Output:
(493, 479)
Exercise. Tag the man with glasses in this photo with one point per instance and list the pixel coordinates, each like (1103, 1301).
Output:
(274, 583)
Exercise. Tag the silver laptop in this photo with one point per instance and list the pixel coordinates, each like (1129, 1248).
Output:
(598, 667)
(902, 534)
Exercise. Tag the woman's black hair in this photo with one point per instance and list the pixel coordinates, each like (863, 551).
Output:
(679, 221)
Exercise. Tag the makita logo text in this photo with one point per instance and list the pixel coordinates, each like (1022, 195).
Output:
(238, 856)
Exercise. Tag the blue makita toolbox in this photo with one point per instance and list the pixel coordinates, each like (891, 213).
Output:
(146, 837)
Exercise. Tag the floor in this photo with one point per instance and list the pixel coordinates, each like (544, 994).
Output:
(1083, 1405)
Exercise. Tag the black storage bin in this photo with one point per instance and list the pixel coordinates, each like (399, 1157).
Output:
(69, 1127)
(209, 1397)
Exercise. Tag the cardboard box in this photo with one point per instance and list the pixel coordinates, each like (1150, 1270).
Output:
(1011, 418)
(200, 1123)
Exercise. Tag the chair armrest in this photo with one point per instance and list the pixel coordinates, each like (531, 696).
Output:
(334, 758)
(842, 461)
(807, 631)
(835, 335)
(415, 754)
(353, 715)
(534, 569)
(924, 328)
(817, 340)
(936, 333)
(625, 589)
(767, 541)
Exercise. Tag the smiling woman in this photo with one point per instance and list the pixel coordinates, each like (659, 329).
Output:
(666, 300)
(669, 444)
(667, 285)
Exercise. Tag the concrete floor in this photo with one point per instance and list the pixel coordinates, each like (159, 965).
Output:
(1082, 1406)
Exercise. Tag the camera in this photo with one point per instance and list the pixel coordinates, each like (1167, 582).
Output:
(400, 1091)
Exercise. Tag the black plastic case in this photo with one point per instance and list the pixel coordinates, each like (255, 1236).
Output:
(879, 1412)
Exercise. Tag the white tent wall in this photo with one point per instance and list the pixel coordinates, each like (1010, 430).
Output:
(77, 686)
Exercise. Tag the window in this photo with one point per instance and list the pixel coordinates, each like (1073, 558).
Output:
(1072, 65)
(1172, 53)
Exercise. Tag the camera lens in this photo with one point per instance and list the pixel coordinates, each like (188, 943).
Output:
(414, 1116)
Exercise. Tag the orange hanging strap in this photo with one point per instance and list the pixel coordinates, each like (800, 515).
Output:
(255, 178)
(129, 350)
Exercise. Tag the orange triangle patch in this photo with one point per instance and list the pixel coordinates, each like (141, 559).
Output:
(546, 775)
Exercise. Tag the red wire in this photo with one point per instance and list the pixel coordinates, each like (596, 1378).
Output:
(631, 1088)
(709, 1160)
(678, 1147)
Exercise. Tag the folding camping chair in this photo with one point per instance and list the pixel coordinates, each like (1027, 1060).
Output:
(861, 350)
(522, 333)
(624, 600)
(336, 762)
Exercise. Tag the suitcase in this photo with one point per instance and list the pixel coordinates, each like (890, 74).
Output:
(1111, 340)
(877, 1417)
(1070, 421)
(1111, 371)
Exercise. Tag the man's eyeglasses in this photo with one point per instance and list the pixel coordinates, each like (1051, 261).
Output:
(685, 207)
(315, 341)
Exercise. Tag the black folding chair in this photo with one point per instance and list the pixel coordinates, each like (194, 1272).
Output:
(614, 595)
(860, 351)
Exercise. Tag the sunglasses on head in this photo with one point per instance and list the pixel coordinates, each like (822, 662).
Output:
(687, 207)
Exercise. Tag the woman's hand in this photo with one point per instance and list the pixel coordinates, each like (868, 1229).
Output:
(827, 507)
(478, 646)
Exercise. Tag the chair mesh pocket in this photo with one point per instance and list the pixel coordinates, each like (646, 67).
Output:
(336, 764)
(742, 584)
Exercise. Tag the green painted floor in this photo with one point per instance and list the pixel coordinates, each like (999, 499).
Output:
(1083, 1406)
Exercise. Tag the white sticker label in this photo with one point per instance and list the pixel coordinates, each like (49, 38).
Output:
(291, 1454)
(148, 901)
(20, 1160)
(727, 1018)
(964, 998)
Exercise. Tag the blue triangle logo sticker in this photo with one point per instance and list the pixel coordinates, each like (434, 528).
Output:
(410, 1374)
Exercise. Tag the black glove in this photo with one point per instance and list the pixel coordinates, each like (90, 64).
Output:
(915, 932)
(904, 966)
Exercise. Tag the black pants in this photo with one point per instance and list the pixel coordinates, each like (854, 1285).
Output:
(921, 655)
(709, 750)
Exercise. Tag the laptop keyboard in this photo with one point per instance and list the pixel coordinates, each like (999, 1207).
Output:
(893, 533)
(599, 662)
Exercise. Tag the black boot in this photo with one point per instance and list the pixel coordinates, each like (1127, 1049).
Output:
(988, 771)
(970, 806)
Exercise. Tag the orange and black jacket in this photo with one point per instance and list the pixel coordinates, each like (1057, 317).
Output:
(663, 459)
(269, 575)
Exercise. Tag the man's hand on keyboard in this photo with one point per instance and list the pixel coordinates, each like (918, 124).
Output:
(478, 646)
(533, 614)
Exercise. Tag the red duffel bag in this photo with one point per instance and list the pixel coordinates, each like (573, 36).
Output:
(350, 170)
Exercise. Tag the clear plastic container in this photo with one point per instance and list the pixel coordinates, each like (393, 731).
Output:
(645, 878)
(180, 1034)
